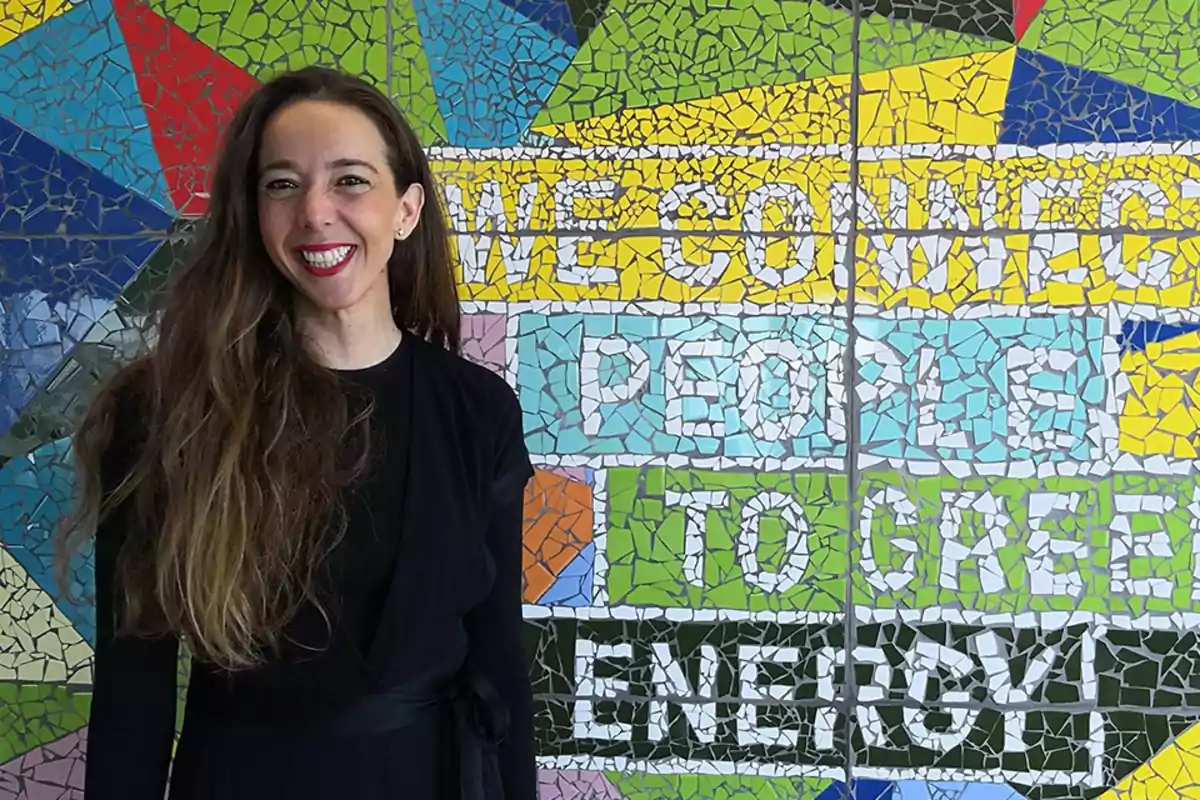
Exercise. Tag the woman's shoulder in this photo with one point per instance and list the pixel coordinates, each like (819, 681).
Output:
(480, 405)
(477, 384)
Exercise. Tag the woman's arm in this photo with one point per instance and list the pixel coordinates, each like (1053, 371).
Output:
(495, 626)
(133, 701)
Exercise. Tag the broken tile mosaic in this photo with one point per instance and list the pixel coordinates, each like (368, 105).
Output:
(52, 770)
(856, 343)
(559, 522)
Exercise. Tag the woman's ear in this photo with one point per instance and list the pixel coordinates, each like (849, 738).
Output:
(408, 213)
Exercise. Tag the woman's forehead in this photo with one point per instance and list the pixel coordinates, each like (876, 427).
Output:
(318, 132)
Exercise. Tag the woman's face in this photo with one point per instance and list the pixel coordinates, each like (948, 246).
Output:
(328, 209)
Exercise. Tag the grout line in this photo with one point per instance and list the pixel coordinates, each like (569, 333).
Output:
(1027, 706)
(821, 235)
(390, 52)
(732, 233)
(849, 378)
(163, 236)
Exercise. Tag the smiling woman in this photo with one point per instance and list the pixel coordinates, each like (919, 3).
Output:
(307, 486)
(328, 209)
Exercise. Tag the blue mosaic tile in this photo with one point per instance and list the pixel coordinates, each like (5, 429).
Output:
(861, 789)
(48, 193)
(553, 15)
(981, 389)
(38, 334)
(36, 491)
(52, 292)
(492, 68)
(574, 584)
(1136, 334)
(1049, 102)
(70, 81)
(699, 385)
(953, 790)
(62, 269)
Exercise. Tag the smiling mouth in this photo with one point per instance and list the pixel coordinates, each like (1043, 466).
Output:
(326, 261)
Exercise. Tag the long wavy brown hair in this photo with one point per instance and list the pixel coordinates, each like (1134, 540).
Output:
(240, 460)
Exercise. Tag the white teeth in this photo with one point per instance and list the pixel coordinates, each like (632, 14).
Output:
(325, 258)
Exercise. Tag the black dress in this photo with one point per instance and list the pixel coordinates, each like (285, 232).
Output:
(426, 598)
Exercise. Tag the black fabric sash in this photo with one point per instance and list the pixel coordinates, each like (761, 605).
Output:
(480, 722)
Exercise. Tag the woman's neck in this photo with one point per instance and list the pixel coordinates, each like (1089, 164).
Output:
(351, 343)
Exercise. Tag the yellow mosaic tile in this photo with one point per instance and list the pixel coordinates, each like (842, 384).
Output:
(952, 101)
(19, 16)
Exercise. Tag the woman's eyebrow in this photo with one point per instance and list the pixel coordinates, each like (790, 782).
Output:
(285, 163)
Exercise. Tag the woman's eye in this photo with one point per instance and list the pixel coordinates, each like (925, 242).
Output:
(352, 180)
(280, 185)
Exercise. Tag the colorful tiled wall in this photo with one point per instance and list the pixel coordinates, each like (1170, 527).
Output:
(858, 343)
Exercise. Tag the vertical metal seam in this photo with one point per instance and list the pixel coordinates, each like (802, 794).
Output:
(850, 379)
(390, 49)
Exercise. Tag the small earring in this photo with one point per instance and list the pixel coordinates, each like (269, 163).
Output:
(400, 234)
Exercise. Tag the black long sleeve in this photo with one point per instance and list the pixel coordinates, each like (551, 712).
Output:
(397, 593)
(495, 626)
(133, 701)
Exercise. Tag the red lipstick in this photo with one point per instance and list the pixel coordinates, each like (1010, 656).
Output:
(325, 260)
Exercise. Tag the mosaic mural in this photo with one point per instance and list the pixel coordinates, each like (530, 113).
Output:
(858, 343)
